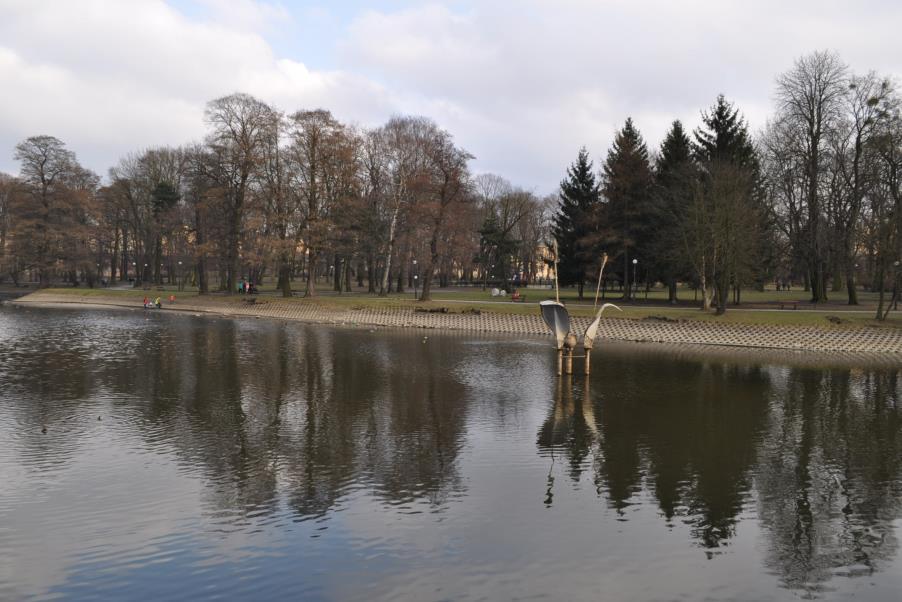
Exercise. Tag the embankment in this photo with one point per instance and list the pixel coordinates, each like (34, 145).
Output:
(821, 339)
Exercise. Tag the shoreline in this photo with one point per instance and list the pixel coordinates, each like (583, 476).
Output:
(783, 337)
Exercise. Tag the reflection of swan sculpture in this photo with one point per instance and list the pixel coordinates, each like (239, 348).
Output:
(570, 427)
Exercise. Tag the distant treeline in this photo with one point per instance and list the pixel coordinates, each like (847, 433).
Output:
(813, 199)
(271, 194)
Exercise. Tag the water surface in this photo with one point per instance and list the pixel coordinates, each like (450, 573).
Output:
(188, 457)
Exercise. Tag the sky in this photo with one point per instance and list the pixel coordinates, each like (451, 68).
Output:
(521, 85)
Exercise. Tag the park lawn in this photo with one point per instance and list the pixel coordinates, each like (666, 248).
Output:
(734, 316)
(659, 295)
(456, 303)
(129, 293)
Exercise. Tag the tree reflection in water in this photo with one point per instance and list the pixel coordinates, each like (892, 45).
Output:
(250, 427)
(829, 475)
(693, 445)
(817, 454)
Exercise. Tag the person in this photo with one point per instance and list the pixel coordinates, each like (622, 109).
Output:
(158, 303)
(145, 302)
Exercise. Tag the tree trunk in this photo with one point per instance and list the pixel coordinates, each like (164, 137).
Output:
(722, 290)
(850, 287)
(880, 282)
(390, 247)
(310, 291)
(285, 278)
(124, 270)
(347, 275)
(158, 261)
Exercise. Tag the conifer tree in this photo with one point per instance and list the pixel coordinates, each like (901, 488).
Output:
(675, 175)
(628, 208)
(574, 224)
(731, 201)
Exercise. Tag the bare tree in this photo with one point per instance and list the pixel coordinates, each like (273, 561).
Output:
(810, 98)
(7, 188)
(45, 213)
(241, 126)
(280, 202)
(402, 143)
(865, 108)
(886, 206)
(325, 156)
(449, 185)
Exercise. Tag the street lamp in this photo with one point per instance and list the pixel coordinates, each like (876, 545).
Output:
(635, 268)
(179, 277)
(415, 278)
(896, 285)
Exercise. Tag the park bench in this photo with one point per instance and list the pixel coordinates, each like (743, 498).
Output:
(250, 300)
(789, 304)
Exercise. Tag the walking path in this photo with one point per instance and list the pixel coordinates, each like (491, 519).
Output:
(824, 339)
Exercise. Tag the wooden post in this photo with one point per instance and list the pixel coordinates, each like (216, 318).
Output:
(568, 365)
(588, 355)
(560, 361)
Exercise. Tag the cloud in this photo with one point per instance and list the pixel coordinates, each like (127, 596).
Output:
(112, 77)
(522, 85)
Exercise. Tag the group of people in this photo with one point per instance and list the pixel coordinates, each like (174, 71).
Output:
(247, 288)
(148, 304)
(782, 285)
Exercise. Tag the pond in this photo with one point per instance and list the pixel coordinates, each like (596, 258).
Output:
(151, 455)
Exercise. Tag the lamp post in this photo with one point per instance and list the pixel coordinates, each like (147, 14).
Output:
(135, 270)
(180, 279)
(896, 284)
(415, 278)
(635, 269)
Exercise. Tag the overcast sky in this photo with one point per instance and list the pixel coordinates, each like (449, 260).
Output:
(520, 84)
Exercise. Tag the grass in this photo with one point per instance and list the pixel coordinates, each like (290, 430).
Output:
(468, 299)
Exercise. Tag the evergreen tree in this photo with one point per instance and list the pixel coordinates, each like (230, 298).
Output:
(574, 224)
(733, 201)
(725, 137)
(675, 175)
(628, 214)
(496, 248)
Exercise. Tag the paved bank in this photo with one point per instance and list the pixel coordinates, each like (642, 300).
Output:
(826, 339)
